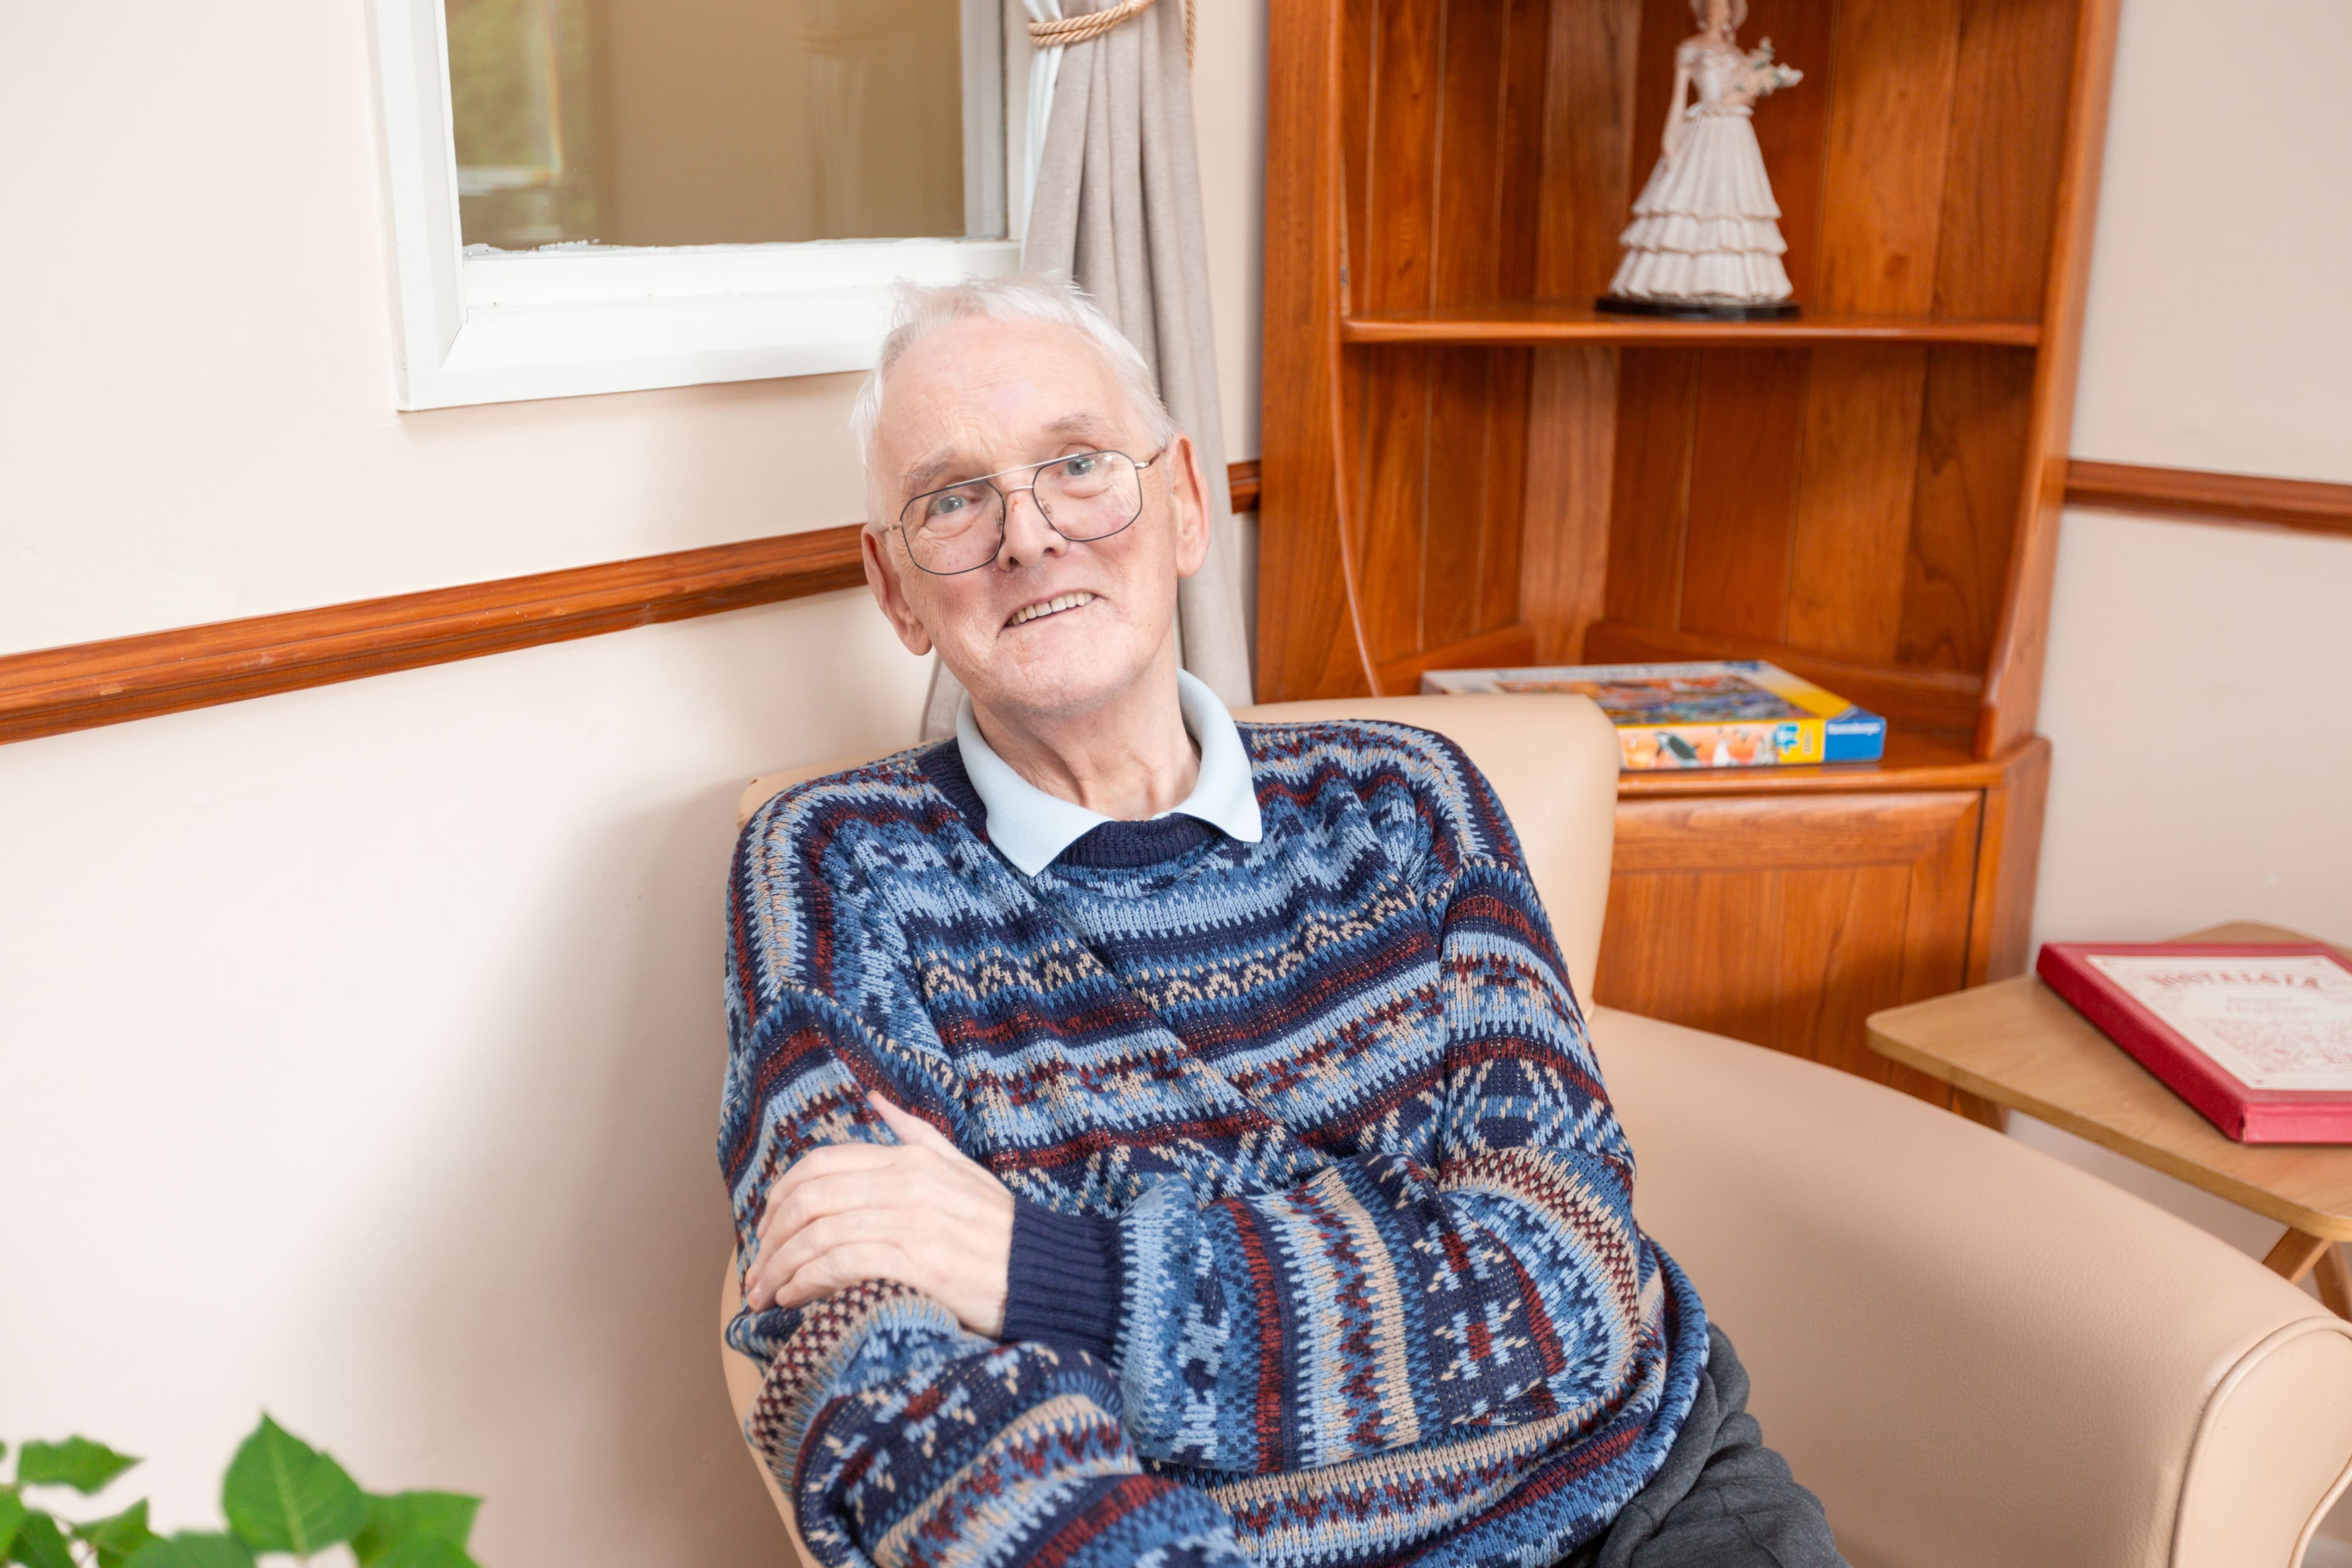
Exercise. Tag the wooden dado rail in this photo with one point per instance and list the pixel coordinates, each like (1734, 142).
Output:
(57, 689)
(2215, 498)
(80, 687)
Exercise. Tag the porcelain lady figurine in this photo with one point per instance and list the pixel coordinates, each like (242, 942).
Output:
(1706, 239)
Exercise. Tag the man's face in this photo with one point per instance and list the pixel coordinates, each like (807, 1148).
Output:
(980, 396)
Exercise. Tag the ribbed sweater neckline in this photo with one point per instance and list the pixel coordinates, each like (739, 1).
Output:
(1124, 845)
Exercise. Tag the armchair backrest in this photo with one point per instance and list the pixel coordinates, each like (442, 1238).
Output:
(1551, 759)
(1553, 763)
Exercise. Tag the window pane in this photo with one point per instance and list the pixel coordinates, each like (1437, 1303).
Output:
(709, 121)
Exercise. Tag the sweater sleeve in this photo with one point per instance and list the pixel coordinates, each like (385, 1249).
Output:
(897, 1433)
(1484, 1271)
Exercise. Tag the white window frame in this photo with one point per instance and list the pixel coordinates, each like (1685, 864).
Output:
(488, 326)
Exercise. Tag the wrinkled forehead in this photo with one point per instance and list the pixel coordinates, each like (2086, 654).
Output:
(980, 396)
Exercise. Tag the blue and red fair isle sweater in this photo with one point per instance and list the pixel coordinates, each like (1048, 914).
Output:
(1325, 1251)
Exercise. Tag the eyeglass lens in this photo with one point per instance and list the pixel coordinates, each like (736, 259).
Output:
(1092, 495)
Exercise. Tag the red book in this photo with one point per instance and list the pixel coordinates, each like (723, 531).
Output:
(2256, 1035)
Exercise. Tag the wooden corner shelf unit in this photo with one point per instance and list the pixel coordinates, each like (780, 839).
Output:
(1466, 464)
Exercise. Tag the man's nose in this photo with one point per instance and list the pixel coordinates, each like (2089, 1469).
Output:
(1028, 536)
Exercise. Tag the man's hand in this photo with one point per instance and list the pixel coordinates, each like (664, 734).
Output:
(918, 1213)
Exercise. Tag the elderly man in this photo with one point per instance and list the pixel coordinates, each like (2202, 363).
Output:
(1155, 1139)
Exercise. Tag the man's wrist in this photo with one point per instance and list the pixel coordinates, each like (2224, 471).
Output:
(1062, 1280)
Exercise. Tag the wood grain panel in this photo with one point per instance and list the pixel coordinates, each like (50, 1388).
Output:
(1460, 496)
(1590, 137)
(1466, 238)
(1352, 56)
(1310, 640)
(58, 690)
(2001, 920)
(2010, 101)
(1520, 194)
(1478, 419)
(1401, 210)
(1743, 492)
(1792, 921)
(1394, 504)
(1657, 401)
(1891, 109)
(1854, 488)
(1756, 833)
(1503, 528)
(1504, 645)
(1570, 468)
(1792, 127)
(2311, 505)
(1407, 108)
(1976, 412)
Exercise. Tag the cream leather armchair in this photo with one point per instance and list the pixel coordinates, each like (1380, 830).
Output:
(1975, 1355)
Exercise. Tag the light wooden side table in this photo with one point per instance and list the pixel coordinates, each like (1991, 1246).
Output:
(2017, 1044)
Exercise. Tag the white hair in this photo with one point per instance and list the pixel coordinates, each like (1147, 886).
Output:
(920, 310)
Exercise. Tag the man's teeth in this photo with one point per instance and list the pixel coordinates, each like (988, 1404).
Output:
(1066, 602)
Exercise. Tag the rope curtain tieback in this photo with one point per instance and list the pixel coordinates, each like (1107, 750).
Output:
(1095, 24)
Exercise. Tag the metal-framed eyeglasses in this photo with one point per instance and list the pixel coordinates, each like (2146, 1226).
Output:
(1083, 497)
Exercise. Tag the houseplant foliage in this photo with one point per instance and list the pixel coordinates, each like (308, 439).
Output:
(281, 1496)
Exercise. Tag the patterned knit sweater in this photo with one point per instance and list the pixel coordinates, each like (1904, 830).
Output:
(1325, 1249)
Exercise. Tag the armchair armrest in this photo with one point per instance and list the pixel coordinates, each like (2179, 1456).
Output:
(1974, 1352)
(743, 1383)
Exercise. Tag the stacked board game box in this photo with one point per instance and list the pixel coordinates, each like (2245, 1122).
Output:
(1736, 713)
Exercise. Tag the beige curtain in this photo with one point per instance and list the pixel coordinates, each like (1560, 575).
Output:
(1117, 207)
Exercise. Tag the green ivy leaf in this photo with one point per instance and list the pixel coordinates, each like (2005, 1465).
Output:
(190, 1549)
(427, 1552)
(395, 1521)
(40, 1543)
(283, 1495)
(77, 1462)
(115, 1537)
(12, 1516)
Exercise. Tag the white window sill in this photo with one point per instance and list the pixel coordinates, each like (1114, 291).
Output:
(569, 323)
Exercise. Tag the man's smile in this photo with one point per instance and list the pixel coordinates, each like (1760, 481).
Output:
(1052, 606)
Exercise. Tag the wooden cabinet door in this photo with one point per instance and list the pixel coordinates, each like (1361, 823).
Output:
(1786, 921)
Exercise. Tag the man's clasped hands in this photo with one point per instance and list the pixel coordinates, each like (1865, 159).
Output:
(918, 1212)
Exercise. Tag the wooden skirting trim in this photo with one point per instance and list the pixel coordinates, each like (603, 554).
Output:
(80, 687)
(2307, 504)
(89, 684)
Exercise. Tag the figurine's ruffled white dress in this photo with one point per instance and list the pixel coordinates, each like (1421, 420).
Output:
(1705, 227)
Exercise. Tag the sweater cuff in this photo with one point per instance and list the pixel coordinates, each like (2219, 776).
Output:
(1062, 1282)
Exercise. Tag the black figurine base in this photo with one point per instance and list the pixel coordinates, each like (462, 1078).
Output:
(1697, 311)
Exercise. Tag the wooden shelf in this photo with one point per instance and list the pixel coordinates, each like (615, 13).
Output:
(1916, 760)
(1538, 323)
(1907, 695)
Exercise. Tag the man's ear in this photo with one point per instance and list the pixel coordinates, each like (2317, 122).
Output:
(1191, 494)
(891, 590)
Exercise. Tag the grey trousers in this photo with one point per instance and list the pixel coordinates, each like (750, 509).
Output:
(1724, 1499)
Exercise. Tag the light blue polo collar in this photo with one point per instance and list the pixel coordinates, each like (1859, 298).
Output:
(1032, 828)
